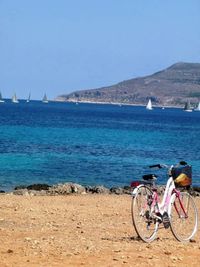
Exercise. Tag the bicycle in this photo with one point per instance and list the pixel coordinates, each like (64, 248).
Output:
(177, 209)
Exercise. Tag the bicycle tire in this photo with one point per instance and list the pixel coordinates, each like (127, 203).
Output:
(145, 227)
(184, 227)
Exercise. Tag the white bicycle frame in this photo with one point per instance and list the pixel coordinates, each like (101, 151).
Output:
(167, 200)
(154, 211)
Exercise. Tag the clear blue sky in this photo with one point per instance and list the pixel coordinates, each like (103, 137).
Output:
(58, 46)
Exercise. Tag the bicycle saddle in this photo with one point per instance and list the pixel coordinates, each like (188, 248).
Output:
(149, 177)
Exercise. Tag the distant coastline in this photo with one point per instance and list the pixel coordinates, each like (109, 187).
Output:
(114, 103)
(171, 87)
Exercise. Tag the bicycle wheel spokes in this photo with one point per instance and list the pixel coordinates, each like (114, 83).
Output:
(184, 217)
(145, 226)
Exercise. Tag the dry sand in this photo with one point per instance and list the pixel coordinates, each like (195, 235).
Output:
(83, 230)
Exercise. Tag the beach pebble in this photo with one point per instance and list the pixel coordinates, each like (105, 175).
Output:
(167, 253)
(27, 239)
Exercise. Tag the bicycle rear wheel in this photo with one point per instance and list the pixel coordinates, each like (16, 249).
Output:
(184, 218)
(145, 226)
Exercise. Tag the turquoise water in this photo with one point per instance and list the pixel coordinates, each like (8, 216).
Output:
(92, 144)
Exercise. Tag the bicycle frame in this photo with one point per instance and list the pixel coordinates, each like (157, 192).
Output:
(168, 199)
(176, 209)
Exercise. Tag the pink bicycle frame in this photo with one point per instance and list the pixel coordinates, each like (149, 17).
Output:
(180, 202)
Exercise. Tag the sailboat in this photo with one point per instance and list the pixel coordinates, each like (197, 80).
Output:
(187, 107)
(1, 100)
(28, 99)
(45, 100)
(14, 99)
(198, 107)
(149, 105)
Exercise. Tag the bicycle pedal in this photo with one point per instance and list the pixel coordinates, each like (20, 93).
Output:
(159, 217)
(165, 220)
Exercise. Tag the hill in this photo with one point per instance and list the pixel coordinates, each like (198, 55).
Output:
(172, 86)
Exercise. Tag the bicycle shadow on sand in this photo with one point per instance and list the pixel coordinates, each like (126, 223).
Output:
(135, 238)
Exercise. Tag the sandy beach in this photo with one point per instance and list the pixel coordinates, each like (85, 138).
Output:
(83, 230)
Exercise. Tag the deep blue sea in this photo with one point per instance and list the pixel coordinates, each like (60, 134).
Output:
(92, 144)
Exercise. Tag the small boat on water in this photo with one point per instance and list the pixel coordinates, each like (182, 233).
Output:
(45, 100)
(198, 107)
(149, 105)
(187, 107)
(14, 99)
(28, 99)
(1, 99)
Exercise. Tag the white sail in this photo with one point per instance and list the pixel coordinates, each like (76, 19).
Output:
(29, 97)
(187, 107)
(45, 100)
(1, 99)
(14, 99)
(198, 107)
(149, 105)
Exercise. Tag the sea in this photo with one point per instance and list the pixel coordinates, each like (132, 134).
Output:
(93, 144)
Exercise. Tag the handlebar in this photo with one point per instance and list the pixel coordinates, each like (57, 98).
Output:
(160, 166)
(155, 166)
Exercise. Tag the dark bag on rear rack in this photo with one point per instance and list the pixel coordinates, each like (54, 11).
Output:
(182, 175)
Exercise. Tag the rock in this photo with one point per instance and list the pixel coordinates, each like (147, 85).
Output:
(38, 193)
(2, 191)
(20, 187)
(77, 188)
(127, 190)
(71, 188)
(117, 190)
(38, 187)
(26, 192)
(196, 188)
(9, 251)
(100, 189)
(88, 189)
(61, 189)
(20, 192)
(193, 193)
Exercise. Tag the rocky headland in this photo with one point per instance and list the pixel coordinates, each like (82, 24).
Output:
(173, 86)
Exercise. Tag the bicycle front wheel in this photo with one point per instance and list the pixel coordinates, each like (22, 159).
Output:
(146, 227)
(184, 217)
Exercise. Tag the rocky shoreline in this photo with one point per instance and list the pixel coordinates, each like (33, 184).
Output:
(74, 188)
